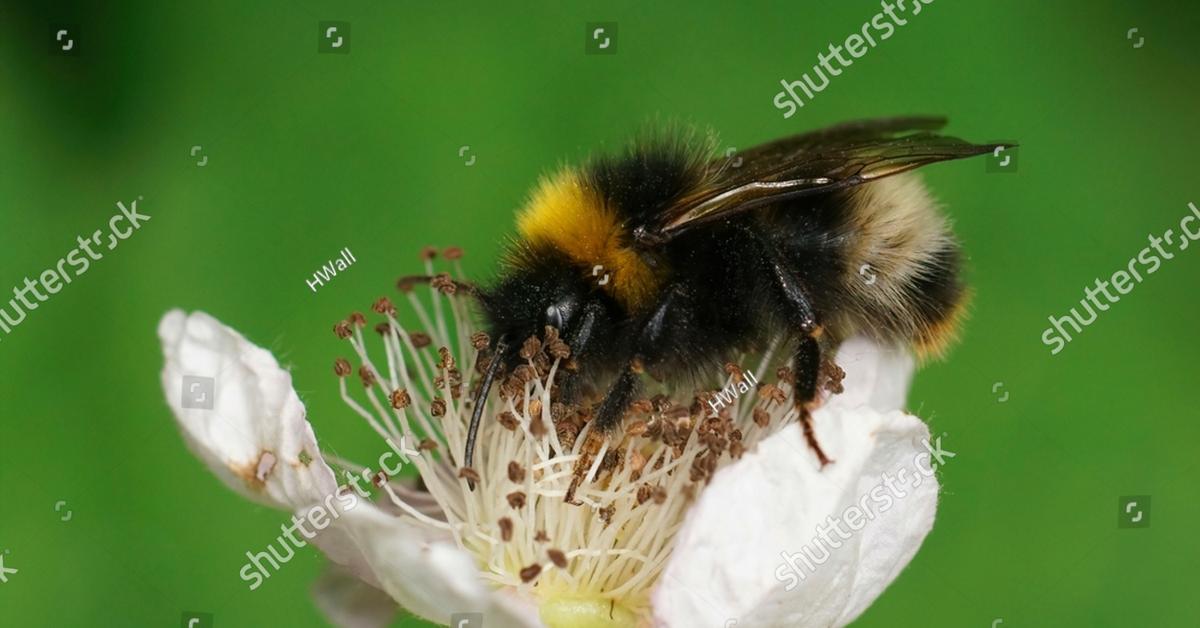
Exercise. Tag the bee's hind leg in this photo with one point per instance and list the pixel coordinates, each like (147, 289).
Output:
(806, 369)
(806, 364)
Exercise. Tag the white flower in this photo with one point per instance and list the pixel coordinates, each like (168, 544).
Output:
(687, 521)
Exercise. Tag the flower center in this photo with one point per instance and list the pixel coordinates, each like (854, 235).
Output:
(586, 612)
(581, 522)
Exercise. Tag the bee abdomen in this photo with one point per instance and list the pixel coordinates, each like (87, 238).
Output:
(902, 265)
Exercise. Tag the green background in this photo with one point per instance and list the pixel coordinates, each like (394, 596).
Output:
(309, 153)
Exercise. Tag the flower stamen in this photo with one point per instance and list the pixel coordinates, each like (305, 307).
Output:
(612, 505)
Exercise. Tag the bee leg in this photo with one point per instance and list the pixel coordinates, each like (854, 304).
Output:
(628, 383)
(622, 392)
(806, 370)
(617, 401)
(607, 418)
(807, 361)
(579, 339)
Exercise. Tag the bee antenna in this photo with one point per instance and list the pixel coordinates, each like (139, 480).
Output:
(480, 398)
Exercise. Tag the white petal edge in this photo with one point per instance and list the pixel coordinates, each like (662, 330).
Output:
(878, 377)
(255, 433)
(726, 566)
(256, 411)
(427, 573)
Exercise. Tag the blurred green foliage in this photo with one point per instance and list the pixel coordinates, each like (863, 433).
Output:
(308, 153)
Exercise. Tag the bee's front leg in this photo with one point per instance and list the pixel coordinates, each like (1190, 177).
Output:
(580, 338)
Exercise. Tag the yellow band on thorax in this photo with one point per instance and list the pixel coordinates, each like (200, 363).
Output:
(567, 215)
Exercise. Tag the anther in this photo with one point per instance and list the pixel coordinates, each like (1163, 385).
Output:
(508, 420)
(383, 305)
(379, 479)
(530, 572)
(400, 398)
(469, 474)
(516, 473)
(420, 339)
(406, 284)
(367, 375)
(530, 348)
(443, 283)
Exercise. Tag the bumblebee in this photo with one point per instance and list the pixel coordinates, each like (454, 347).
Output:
(670, 260)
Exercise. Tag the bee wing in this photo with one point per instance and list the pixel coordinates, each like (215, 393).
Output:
(822, 161)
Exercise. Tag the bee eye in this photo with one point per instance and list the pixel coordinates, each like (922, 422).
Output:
(554, 317)
(559, 315)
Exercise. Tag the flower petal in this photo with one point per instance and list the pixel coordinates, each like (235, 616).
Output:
(426, 572)
(758, 557)
(348, 602)
(254, 436)
(875, 376)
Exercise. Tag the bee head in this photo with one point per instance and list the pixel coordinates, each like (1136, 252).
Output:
(532, 295)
